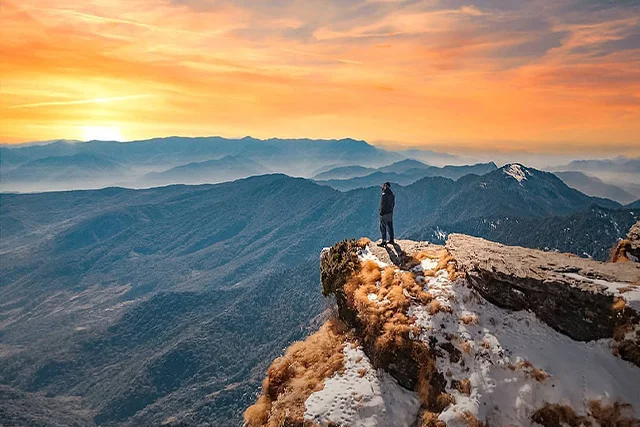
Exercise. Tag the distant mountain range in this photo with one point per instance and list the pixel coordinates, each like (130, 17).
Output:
(403, 172)
(296, 157)
(127, 307)
(344, 172)
(343, 164)
(621, 172)
(228, 168)
(595, 186)
(433, 157)
(82, 167)
(619, 164)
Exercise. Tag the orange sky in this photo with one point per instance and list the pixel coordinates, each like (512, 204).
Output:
(541, 76)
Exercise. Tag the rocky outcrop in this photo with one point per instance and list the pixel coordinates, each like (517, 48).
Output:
(471, 333)
(339, 264)
(573, 295)
(628, 249)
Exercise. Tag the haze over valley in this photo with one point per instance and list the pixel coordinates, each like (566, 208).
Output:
(126, 306)
(342, 164)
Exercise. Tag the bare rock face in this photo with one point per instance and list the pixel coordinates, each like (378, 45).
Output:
(572, 294)
(581, 298)
(629, 248)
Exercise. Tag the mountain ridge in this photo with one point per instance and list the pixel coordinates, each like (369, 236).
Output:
(82, 268)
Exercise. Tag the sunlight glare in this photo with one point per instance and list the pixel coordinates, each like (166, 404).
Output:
(101, 133)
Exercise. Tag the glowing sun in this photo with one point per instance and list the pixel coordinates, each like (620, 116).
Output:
(101, 133)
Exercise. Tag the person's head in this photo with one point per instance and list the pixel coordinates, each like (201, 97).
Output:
(386, 185)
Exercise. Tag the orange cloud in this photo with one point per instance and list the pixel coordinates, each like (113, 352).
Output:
(393, 70)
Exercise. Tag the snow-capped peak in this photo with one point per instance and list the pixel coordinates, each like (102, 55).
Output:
(517, 172)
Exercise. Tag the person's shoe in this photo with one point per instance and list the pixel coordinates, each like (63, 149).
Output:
(382, 243)
(392, 242)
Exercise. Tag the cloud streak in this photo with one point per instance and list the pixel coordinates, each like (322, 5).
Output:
(528, 72)
(81, 101)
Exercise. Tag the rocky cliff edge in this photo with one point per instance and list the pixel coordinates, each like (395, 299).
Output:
(470, 334)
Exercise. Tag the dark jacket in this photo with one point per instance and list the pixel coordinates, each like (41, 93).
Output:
(388, 202)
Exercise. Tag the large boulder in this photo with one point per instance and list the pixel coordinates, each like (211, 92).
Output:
(573, 295)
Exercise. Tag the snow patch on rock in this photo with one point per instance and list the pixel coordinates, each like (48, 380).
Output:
(629, 292)
(425, 265)
(365, 254)
(517, 172)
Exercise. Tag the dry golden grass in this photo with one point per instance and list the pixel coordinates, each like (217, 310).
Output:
(293, 377)
(411, 261)
(430, 419)
(436, 306)
(631, 287)
(448, 263)
(464, 387)
(469, 319)
(380, 300)
(626, 345)
(556, 415)
(363, 242)
(619, 251)
(392, 292)
(443, 400)
(445, 262)
(533, 372)
(620, 331)
(616, 415)
(618, 304)
(470, 420)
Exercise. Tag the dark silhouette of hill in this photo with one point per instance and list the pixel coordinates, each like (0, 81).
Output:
(171, 301)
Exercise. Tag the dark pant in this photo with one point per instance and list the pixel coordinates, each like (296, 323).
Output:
(386, 226)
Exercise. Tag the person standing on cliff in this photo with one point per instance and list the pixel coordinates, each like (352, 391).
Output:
(387, 203)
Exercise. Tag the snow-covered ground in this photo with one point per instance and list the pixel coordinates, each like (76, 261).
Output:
(514, 364)
(362, 396)
(507, 350)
